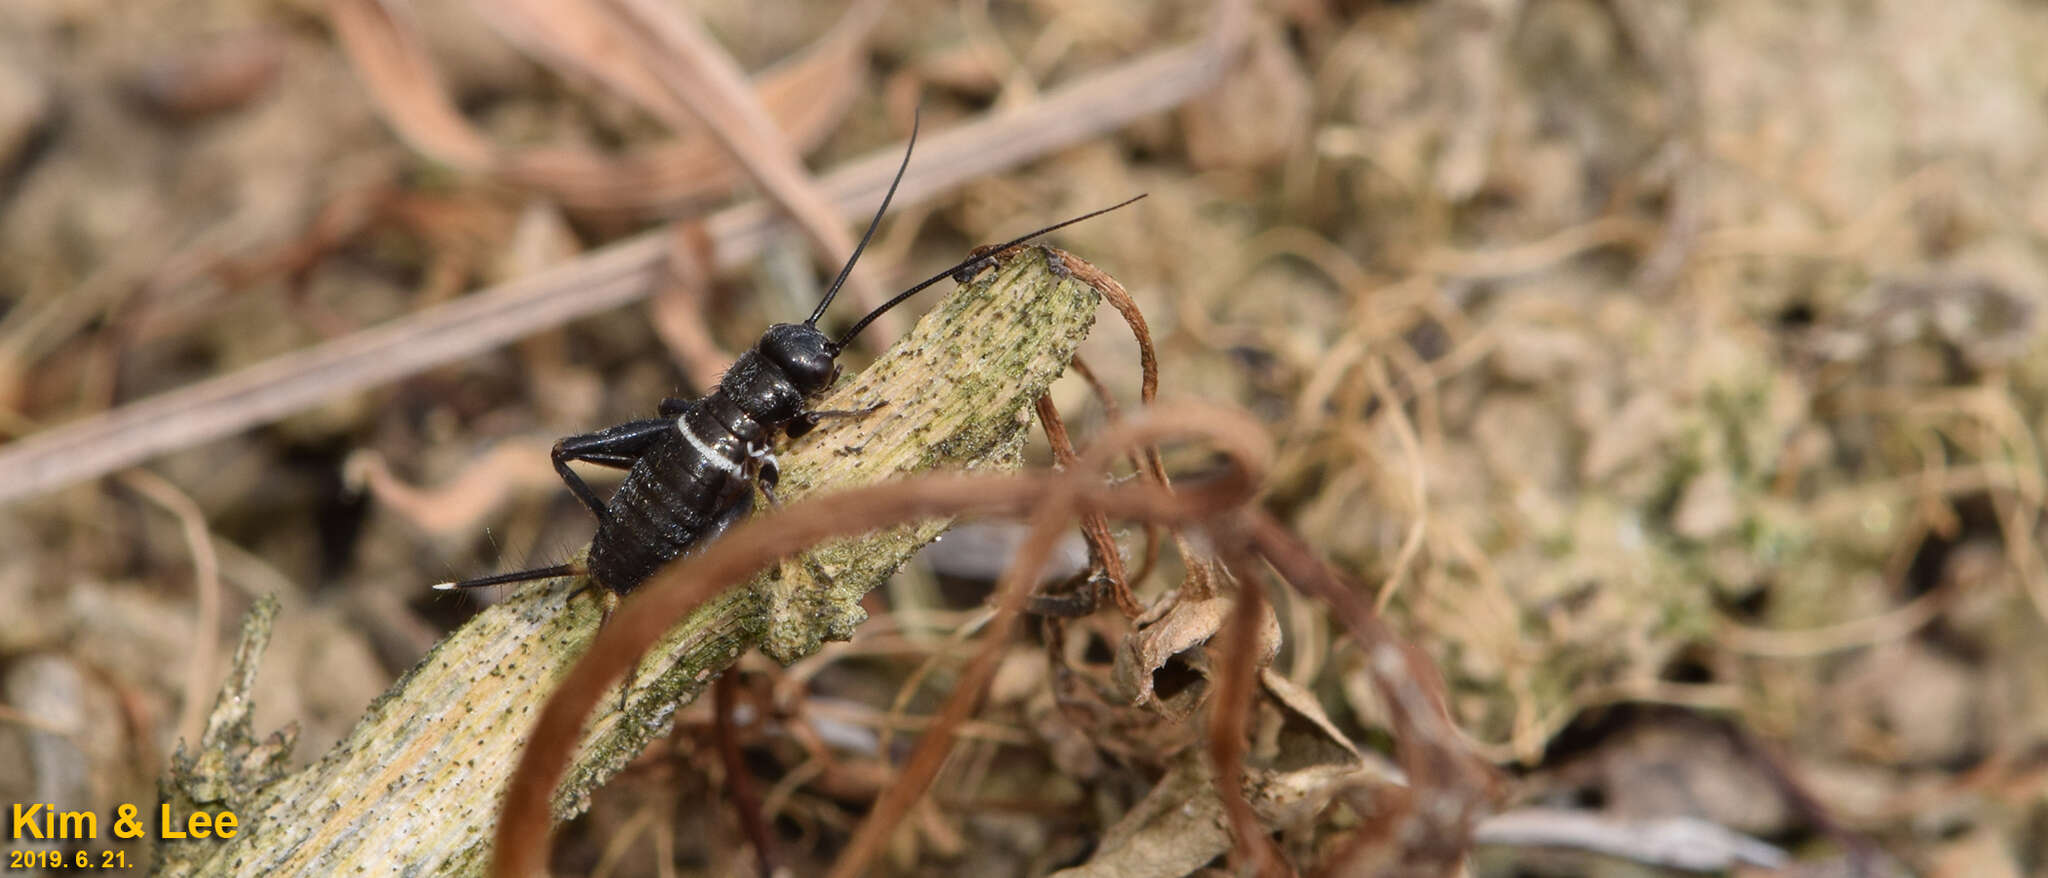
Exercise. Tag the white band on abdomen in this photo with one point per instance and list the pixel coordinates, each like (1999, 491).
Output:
(708, 453)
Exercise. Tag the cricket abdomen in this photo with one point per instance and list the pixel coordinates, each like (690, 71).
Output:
(679, 494)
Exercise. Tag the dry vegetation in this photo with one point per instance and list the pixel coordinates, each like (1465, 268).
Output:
(1667, 374)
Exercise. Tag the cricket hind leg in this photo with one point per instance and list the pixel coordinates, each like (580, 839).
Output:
(617, 447)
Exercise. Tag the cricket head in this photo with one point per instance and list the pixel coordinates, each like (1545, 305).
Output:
(802, 353)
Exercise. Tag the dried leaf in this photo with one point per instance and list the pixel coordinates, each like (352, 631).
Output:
(1164, 646)
(1178, 826)
(1305, 705)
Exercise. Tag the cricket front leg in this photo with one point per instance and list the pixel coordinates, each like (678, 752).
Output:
(808, 421)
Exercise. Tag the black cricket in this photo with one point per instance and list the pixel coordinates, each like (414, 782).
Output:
(691, 471)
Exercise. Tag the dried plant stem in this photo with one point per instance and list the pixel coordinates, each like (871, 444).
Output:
(416, 786)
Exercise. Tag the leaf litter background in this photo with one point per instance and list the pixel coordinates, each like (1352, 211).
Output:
(1670, 371)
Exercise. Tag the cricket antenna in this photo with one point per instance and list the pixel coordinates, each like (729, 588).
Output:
(967, 268)
(870, 233)
(517, 576)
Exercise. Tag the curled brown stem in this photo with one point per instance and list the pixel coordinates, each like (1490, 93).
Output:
(1093, 524)
(1113, 412)
(1113, 292)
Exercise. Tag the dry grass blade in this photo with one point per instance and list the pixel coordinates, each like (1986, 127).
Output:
(1676, 843)
(588, 42)
(657, 56)
(805, 96)
(694, 70)
(614, 276)
(275, 388)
